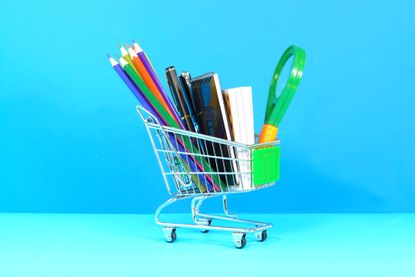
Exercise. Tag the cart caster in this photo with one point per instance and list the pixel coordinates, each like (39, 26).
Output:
(169, 234)
(261, 236)
(208, 222)
(239, 240)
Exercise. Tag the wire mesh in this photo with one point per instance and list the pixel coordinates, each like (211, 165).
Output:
(193, 163)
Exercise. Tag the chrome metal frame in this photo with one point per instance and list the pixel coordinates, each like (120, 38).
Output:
(180, 179)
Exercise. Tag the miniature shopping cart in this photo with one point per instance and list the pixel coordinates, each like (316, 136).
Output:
(198, 166)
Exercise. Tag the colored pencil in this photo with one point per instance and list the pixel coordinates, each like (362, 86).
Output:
(137, 49)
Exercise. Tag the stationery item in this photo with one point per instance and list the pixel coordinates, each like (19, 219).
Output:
(179, 97)
(213, 121)
(150, 69)
(168, 120)
(210, 109)
(277, 106)
(185, 80)
(145, 76)
(126, 56)
(138, 49)
(238, 103)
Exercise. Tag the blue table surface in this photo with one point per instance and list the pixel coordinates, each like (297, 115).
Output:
(132, 245)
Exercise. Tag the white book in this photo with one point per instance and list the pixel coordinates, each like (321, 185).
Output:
(238, 102)
(222, 107)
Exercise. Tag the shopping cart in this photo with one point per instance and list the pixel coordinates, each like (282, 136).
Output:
(199, 167)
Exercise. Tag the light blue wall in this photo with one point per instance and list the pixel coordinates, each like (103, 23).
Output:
(70, 140)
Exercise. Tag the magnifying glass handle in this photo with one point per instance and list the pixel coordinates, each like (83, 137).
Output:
(268, 133)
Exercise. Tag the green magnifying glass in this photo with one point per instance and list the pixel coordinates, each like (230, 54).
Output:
(278, 105)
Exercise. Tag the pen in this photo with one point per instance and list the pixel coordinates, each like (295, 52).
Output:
(187, 88)
(179, 97)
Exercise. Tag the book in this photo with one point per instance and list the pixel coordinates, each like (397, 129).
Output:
(238, 103)
(212, 120)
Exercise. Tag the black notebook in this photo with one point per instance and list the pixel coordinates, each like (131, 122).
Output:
(213, 121)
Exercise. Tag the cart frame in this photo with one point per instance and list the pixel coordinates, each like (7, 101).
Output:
(180, 178)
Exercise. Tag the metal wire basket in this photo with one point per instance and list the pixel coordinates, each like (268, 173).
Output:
(198, 166)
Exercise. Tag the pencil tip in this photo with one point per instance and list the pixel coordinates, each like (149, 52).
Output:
(134, 41)
(128, 46)
(123, 62)
(112, 60)
(137, 47)
(132, 53)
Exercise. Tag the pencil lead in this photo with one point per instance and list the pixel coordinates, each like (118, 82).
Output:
(137, 47)
(132, 53)
(108, 55)
(112, 60)
(123, 51)
(128, 46)
(122, 62)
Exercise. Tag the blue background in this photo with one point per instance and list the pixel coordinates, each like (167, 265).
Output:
(71, 141)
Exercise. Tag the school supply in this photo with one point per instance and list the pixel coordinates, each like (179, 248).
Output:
(138, 50)
(213, 120)
(277, 106)
(210, 108)
(238, 103)
(185, 80)
(179, 97)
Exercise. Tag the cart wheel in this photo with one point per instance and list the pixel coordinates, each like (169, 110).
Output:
(209, 221)
(169, 234)
(261, 236)
(239, 240)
